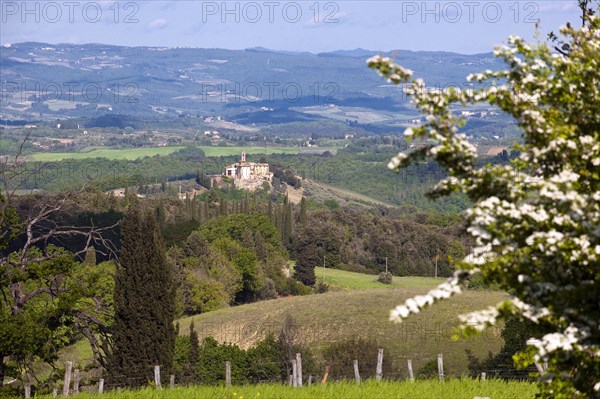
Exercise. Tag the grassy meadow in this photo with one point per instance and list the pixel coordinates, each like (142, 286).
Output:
(134, 153)
(426, 389)
(357, 310)
(343, 280)
(108, 153)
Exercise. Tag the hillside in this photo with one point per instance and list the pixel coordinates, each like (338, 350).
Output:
(320, 191)
(338, 315)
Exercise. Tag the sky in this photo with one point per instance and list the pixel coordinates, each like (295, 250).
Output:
(466, 27)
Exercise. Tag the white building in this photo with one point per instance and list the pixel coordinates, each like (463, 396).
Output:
(245, 170)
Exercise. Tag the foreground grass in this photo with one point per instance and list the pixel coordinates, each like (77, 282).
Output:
(453, 389)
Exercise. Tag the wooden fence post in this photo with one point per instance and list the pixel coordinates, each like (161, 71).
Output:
(539, 367)
(483, 375)
(294, 373)
(299, 369)
(67, 384)
(356, 373)
(27, 390)
(228, 373)
(101, 386)
(379, 370)
(55, 392)
(411, 375)
(172, 381)
(157, 377)
(441, 367)
(290, 380)
(76, 382)
(326, 375)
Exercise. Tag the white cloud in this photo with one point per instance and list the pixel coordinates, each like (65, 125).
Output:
(159, 23)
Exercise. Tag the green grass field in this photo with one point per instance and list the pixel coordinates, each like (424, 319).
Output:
(134, 153)
(453, 389)
(343, 280)
(108, 153)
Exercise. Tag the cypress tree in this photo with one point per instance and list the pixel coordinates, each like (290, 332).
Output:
(206, 211)
(302, 216)
(193, 355)
(307, 259)
(144, 301)
(270, 211)
(288, 223)
(223, 211)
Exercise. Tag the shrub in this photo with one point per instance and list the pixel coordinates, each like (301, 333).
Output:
(341, 355)
(331, 204)
(294, 287)
(321, 287)
(385, 278)
(429, 370)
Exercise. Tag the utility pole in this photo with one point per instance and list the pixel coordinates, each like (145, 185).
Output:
(323, 269)
(436, 261)
(386, 269)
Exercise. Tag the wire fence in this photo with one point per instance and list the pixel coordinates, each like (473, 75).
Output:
(292, 372)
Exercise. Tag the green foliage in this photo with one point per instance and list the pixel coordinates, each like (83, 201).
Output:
(204, 295)
(341, 355)
(264, 361)
(9, 221)
(385, 278)
(206, 278)
(211, 366)
(63, 295)
(331, 204)
(428, 370)
(143, 333)
(307, 259)
(176, 233)
(205, 364)
(515, 334)
(252, 244)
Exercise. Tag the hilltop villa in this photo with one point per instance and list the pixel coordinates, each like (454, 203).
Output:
(246, 173)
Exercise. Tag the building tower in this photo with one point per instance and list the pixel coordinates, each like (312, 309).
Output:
(243, 156)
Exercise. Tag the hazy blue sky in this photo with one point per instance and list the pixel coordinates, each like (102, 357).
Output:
(460, 26)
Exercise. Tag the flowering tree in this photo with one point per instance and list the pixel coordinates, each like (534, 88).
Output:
(537, 235)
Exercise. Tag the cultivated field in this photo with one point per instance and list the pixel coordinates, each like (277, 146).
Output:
(134, 153)
(108, 153)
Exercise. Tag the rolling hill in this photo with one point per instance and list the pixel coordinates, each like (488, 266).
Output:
(358, 310)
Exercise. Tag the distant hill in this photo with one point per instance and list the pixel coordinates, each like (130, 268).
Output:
(91, 80)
